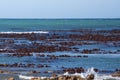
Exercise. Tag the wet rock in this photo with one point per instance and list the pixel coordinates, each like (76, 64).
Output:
(40, 66)
(74, 70)
(4, 65)
(116, 74)
(76, 78)
(40, 55)
(64, 42)
(70, 78)
(52, 78)
(35, 72)
(11, 78)
(30, 65)
(117, 70)
(80, 78)
(36, 79)
(96, 70)
(21, 65)
(54, 75)
(60, 78)
(85, 56)
(18, 54)
(1, 71)
(45, 72)
(86, 51)
(90, 77)
(64, 56)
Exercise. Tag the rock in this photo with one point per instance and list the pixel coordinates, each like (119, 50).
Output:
(90, 77)
(76, 78)
(54, 75)
(96, 70)
(60, 78)
(64, 78)
(73, 70)
(116, 74)
(53, 78)
(35, 72)
(1, 71)
(11, 78)
(80, 78)
(35, 79)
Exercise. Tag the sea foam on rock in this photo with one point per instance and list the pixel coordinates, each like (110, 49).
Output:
(88, 75)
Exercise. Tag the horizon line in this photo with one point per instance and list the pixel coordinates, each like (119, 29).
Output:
(59, 18)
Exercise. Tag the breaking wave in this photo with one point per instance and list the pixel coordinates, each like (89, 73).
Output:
(83, 75)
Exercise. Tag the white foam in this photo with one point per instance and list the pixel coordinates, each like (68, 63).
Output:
(30, 77)
(97, 76)
(88, 72)
(83, 75)
(29, 32)
(91, 71)
(79, 74)
(34, 55)
(105, 77)
(43, 77)
(66, 74)
(25, 77)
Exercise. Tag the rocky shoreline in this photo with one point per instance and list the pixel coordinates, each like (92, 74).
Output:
(64, 40)
(67, 76)
(36, 46)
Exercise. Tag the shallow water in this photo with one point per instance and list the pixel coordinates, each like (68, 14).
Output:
(110, 62)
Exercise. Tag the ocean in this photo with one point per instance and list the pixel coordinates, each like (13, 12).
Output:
(57, 24)
(42, 47)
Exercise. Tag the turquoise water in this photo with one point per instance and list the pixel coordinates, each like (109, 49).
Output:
(57, 24)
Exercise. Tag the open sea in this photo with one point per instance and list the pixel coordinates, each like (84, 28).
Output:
(106, 58)
(57, 24)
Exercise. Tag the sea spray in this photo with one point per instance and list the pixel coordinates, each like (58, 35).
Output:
(83, 75)
(66, 74)
(88, 72)
(91, 71)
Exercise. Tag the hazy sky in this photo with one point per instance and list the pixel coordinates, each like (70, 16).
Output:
(59, 8)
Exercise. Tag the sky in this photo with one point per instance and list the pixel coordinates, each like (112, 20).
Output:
(59, 8)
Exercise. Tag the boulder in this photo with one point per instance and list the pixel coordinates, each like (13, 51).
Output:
(60, 78)
(116, 74)
(76, 78)
(90, 77)
(35, 79)
(11, 78)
